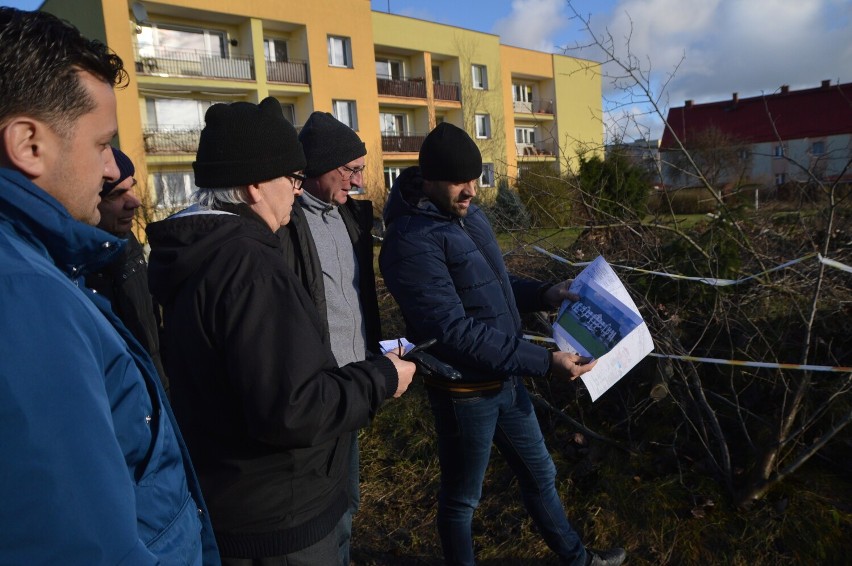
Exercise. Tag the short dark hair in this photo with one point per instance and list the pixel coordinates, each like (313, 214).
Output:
(40, 58)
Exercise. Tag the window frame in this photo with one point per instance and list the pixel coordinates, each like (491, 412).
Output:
(347, 51)
(485, 120)
(487, 177)
(352, 111)
(480, 82)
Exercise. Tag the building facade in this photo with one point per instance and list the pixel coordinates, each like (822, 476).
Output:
(391, 78)
(790, 136)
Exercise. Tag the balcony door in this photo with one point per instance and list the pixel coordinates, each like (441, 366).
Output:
(525, 141)
(392, 124)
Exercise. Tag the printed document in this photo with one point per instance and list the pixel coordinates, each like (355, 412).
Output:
(604, 324)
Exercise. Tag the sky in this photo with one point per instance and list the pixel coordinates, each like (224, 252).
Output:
(701, 50)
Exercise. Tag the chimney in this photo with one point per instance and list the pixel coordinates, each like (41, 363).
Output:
(825, 84)
(736, 97)
(688, 104)
(785, 89)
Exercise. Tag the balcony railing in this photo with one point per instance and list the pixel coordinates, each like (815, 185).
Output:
(538, 149)
(171, 140)
(159, 61)
(411, 88)
(402, 143)
(446, 91)
(534, 106)
(287, 72)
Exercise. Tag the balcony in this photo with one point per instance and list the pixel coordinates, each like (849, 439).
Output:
(401, 143)
(534, 106)
(160, 62)
(446, 91)
(294, 72)
(538, 149)
(171, 140)
(409, 88)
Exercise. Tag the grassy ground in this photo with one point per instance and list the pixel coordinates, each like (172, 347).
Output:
(665, 508)
(662, 516)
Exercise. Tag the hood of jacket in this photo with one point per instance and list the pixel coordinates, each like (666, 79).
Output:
(76, 248)
(406, 198)
(181, 243)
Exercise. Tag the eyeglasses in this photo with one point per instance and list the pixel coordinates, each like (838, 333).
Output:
(297, 180)
(352, 171)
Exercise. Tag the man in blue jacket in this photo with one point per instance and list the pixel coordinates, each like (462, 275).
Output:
(93, 469)
(441, 262)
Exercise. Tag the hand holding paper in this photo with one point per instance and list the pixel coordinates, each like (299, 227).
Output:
(603, 323)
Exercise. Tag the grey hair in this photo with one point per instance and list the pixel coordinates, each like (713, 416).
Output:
(209, 199)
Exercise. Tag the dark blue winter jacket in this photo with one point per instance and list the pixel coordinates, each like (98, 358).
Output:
(92, 470)
(448, 276)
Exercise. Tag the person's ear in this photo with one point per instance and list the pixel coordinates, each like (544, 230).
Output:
(25, 142)
(253, 193)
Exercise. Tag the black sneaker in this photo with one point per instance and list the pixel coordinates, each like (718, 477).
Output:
(611, 557)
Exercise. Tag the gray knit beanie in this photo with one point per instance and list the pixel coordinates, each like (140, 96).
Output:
(328, 143)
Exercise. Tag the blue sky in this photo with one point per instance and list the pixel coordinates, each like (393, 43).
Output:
(702, 50)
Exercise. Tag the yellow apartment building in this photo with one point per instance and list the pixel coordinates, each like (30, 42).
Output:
(391, 78)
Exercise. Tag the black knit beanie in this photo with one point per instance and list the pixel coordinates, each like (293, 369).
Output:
(125, 170)
(328, 143)
(244, 143)
(449, 154)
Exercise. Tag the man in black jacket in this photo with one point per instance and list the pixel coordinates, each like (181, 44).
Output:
(330, 235)
(125, 282)
(267, 412)
(442, 264)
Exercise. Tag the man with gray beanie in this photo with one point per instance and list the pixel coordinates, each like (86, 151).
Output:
(441, 262)
(267, 412)
(330, 244)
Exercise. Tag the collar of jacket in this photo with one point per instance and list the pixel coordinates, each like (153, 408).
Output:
(76, 248)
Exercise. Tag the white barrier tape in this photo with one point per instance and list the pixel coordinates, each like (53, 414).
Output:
(835, 264)
(770, 365)
(707, 280)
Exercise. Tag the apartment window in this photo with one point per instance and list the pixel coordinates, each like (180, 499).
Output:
(391, 173)
(289, 111)
(339, 51)
(176, 114)
(436, 72)
(779, 151)
(818, 148)
(174, 189)
(525, 136)
(275, 50)
(156, 40)
(487, 178)
(345, 111)
(391, 124)
(388, 69)
(521, 93)
(483, 126)
(480, 77)
(780, 178)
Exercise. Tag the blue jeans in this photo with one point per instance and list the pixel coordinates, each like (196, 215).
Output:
(466, 428)
(344, 526)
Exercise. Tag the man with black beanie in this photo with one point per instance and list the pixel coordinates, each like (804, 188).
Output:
(329, 242)
(441, 262)
(124, 282)
(267, 412)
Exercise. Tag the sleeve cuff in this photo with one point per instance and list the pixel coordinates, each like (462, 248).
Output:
(388, 370)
